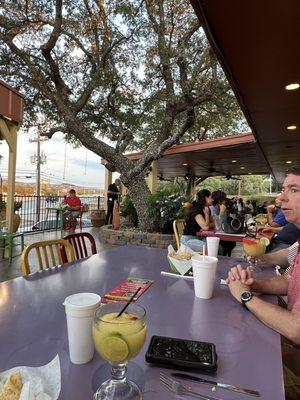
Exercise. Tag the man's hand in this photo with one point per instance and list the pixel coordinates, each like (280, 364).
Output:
(271, 208)
(237, 287)
(239, 274)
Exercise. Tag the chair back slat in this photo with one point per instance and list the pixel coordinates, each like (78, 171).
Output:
(51, 251)
(46, 263)
(58, 254)
(79, 243)
(85, 251)
(38, 251)
(178, 228)
(48, 254)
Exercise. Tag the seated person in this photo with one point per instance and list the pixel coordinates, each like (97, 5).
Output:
(242, 286)
(73, 211)
(276, 218)
(249, 209)
(288, 235)
(220, 213)
(198, 218)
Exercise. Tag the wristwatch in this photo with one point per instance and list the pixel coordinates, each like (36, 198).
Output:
(245, 297)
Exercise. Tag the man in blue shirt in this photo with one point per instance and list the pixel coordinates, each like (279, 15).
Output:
(276, 218)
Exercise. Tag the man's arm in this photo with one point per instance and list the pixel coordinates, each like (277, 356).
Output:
(285, 322)
(279, 257)
(278, 285)
(273, 228)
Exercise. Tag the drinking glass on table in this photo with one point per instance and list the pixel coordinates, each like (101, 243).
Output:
(118, 340)
(255, 248)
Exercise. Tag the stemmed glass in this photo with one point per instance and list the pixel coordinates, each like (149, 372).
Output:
(118, 340)
(255, 248)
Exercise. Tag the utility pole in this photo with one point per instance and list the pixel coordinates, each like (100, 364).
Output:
(38, 158)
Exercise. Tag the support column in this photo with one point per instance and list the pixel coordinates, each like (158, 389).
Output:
(152, 178)
(11, 179)
(107, 182)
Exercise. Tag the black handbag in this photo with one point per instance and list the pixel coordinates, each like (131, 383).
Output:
(234, 224)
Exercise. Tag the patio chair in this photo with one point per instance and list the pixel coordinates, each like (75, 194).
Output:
(83, 208)
(178, 228)
(79, 244)
(48, 254)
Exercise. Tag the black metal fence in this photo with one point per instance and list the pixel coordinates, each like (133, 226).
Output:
(36, 213)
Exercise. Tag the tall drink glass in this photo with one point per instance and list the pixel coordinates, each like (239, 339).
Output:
(255, 248)
(118, 340)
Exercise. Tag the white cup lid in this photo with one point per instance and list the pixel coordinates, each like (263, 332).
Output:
(82, 301)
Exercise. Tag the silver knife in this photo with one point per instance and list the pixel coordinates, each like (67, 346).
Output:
(218, 384)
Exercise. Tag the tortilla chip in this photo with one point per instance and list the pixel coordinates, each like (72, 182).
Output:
(12, 388)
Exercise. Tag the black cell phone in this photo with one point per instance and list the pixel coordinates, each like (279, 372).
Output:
(182, 354)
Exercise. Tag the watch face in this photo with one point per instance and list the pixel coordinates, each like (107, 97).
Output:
(246, 296)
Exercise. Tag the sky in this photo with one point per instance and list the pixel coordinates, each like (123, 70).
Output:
(83, 167)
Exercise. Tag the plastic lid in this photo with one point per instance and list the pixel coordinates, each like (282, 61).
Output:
(82, 301)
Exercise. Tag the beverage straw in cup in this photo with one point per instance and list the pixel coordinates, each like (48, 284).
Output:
(203, 254)
(127, 304)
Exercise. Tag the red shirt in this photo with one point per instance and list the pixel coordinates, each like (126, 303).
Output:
(74, 202)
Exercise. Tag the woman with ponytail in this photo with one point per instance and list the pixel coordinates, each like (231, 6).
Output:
(198, 218)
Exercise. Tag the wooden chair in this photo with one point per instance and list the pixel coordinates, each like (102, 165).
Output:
(178, 228)
(78, 242)
(48, 254)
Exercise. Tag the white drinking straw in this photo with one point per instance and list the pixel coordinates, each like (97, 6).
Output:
(203, 254)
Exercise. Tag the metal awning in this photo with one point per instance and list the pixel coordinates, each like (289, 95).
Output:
(257, 43)
(237, 155)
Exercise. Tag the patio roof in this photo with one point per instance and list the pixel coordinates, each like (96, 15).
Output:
(257, 43)
(237, 155)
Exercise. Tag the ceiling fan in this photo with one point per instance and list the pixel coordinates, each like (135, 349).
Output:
(227, 175)
(161, 178)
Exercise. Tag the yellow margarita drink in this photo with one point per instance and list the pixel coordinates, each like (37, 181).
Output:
(119, 339)
(255, 247)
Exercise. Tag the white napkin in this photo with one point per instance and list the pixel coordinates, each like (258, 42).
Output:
(182, 266)
(39, 383)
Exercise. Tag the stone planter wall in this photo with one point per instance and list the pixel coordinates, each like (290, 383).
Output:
(124, 237)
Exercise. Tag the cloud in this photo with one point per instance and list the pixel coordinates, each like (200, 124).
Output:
(82, 167)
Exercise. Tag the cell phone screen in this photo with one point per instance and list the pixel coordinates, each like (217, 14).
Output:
(182, 350)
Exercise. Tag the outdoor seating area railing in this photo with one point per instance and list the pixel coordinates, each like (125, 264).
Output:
(35, 215)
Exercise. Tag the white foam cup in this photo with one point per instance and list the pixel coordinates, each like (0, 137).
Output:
(204, 271)
(80, 309)
(212, 246)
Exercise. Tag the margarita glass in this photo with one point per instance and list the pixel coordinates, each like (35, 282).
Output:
(255, 248)
(118, 340)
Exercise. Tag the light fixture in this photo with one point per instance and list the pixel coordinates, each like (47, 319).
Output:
(292, 86)
(242, 167)
(291, 127)
(185, 164)
(233, 161)
(249, 173)
(288, 162)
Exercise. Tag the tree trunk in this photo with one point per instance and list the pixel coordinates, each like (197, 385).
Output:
(138, 191)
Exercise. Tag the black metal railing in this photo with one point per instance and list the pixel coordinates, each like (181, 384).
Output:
(36, 216)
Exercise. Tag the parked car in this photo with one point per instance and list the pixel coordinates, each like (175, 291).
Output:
(43, 225)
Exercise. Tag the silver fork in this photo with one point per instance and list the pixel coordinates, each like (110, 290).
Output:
(179, 389)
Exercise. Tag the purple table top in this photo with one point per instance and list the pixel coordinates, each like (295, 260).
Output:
(33, 325)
